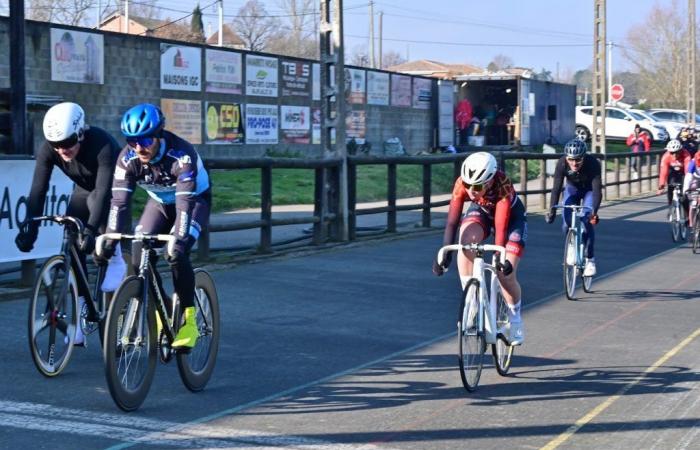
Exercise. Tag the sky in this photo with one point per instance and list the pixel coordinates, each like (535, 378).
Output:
(550, 34)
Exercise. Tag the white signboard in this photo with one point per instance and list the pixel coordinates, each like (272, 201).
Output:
(316, 82)
(295, 123)
(261, 76)
(261, 124)
(446, 113)
(377, 88)
(224, 71)
(77, 57)
(422, 93)
(180, 68)
(15, 184)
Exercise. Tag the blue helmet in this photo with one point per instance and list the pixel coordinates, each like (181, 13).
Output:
(143, 120)
(575, 148)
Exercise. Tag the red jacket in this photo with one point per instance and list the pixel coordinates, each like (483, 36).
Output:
(641, 140)
(668, 162)
(463, 114)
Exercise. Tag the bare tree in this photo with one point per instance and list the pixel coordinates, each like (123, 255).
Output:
(657, 49)
(359, 56)
(67, 12)
(297, 35)
(392, 58)
(254, 25)
(500, 62)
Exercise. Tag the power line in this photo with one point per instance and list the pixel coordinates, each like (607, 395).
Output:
(471, 44)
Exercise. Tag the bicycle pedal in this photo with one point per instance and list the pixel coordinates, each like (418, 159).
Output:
(184, 350)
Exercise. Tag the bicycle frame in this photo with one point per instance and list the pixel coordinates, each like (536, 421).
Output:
(577, 226)
(487, 315)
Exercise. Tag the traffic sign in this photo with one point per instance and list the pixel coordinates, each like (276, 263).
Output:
(617, 92)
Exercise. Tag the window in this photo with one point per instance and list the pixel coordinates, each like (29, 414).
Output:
(587, 111)
(664, 115)
(615, 114)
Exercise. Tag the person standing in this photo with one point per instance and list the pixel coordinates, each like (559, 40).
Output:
(638, 142)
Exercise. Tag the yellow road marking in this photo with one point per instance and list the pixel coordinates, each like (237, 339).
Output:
(554, 443)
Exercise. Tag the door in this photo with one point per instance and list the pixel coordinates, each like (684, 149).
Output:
(524, 96)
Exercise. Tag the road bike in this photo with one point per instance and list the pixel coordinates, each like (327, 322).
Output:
(53, 309)
(693, 196)
(574, 260)
(142, 321)
(483, 316)
(676, 214)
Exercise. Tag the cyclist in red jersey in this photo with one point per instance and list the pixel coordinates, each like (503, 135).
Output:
(674, 166)
(494, 205)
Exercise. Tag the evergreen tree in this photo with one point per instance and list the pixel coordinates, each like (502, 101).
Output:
(197, 26)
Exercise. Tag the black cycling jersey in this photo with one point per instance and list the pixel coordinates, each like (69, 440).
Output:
(91, 170)
(588, 178)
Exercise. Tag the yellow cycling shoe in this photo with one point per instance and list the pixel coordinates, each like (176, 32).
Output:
(187, 336)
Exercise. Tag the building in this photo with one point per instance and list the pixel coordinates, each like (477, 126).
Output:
(231, 39)
(137, 25)
(435, 69)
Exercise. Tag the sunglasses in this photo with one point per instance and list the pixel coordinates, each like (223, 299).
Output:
(144, 142)
(575, 160)
(66, 143)
(474, 187)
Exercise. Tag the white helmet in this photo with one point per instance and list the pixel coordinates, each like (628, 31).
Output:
(64, 120)
(479, 168)
(674, 145)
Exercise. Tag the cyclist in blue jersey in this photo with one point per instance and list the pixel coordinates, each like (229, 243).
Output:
(173, 175)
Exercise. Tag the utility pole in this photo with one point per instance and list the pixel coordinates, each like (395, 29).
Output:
(333, 115)
(599, 84)
(371, 35)
(99, 14)
(126, 16)
(610, 83)
(691, 62)
(381, 18)
(221, 23)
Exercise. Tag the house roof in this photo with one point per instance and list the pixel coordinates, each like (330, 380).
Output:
(231, 38)
(149, 24)
(436, 68)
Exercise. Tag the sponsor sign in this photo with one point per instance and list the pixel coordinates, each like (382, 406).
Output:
(224, 71)
(422, 93)
(355, 126)
(445, 113)
(295, 122)
(14, 192)
(355, 85)
(315, 125)
(184, 118)
(261, 124)
(377, 88)
(180, 68)
(296, 77)
(260, 76)
(224, 124)
(400, 90)
(316, 83)
(77, 57)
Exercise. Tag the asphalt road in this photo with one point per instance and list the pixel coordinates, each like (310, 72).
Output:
(354, 348)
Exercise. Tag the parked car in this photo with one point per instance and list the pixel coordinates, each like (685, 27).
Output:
(619, 124)
(673, 115)
(672, 128)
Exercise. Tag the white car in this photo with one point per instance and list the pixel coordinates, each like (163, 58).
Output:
(672, 128)
(677, 116)
(619, 124)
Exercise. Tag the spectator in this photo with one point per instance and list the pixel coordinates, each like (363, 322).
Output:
(463, 117)
(638, 142)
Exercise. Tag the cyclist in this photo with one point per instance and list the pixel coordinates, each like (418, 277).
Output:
(87, 155)
(688, 140)
(674, 165)
(494, 204)
(173, 175)
(583, 186)
(691, 183)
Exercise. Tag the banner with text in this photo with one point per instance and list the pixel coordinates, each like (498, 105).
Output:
(15, 185)
(355, 85)
(224, 71)
(184, 118)
(77, 57)
(377, 88)
(355, 126)
(260, 76)
(180, 68)
(316, 125)
(400, 90)
(261, 124)
(295, 123)
(316, 82)
(422, 93)
(224, 124)
(296, 76)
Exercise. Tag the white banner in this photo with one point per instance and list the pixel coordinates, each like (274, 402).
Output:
(316, 82)
(261, 76)
(224, 71)
(15, 184)
(446, 108)
(377, 88)
(422, 93)
(180, 68)
(261, 124)
(77, 57)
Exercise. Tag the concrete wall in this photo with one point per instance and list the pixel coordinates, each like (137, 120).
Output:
(132, 75)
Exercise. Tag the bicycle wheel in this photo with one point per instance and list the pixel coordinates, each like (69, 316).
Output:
(684, 229)
(587, 284)
(130, 345)
(696, 233)
(675, 222)
(53, 318)
(471, 337)
(197, 366)
(502, 352)
(569, 264)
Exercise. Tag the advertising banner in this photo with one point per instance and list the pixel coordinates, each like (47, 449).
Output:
(422, 93)
(180, 68)
(260, 76)
(224, 123)
(400, 90)
(296, 77)
(295, 122)
(355, 126)
(377, 88)
(14, 188)
(184, 118)
(355, 85)
(316, 83)
(446, 113)
(315, 125)
(261, 124)
(224, 71)
(77, 57)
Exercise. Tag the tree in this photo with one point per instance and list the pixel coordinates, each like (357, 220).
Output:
(67, 12)
(297, 35)
(500, 62)
(196, 25)
(544, 75)
(392, 58)
(359, 56)
(254, 25)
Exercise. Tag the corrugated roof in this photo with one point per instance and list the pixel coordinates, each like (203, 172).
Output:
(428, 66)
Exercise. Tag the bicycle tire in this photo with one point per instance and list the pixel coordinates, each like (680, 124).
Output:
(570, 271)
(674, 221)
(587, 284)
(696, 231)
(196, 367)
(501, 350)
(470, 335)
(684, 228)
(128, 300)
(43, 348)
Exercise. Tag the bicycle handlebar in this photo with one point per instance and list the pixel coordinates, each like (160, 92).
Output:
(472, 248)
(168, 238)
(62, 220)
(574, 207)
